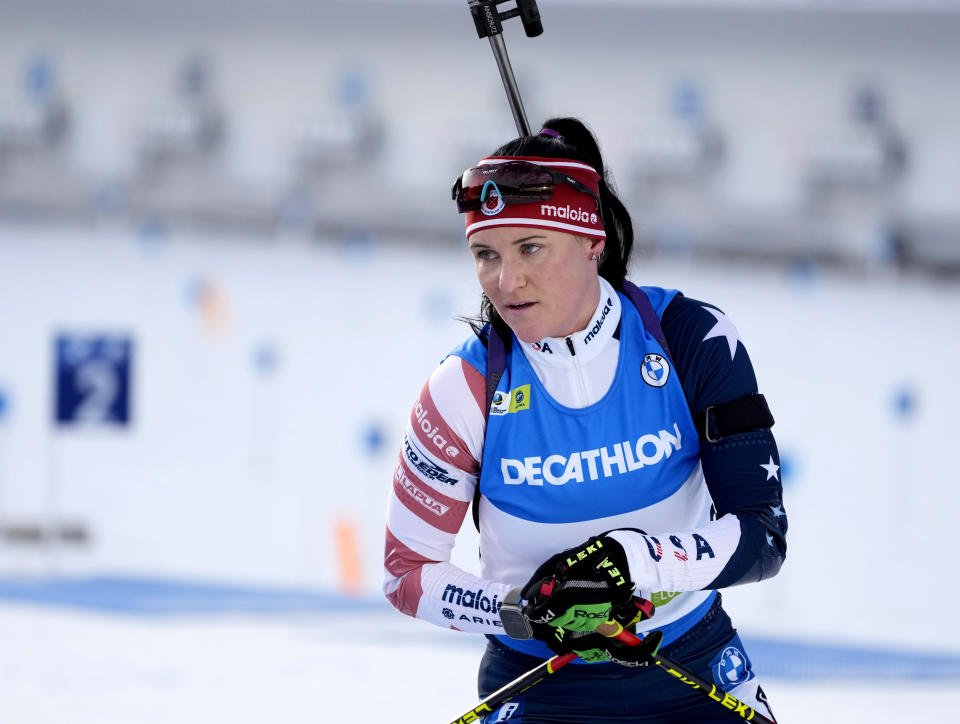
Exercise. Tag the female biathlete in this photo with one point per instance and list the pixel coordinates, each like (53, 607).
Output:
(621, 458)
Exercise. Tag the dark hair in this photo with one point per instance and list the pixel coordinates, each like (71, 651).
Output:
(573, 141)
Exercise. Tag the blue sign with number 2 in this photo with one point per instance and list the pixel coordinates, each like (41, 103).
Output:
(93, 379)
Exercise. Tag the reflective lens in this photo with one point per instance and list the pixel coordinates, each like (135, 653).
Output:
(518, 182)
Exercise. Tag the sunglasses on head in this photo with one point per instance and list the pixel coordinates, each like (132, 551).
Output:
(518, 182)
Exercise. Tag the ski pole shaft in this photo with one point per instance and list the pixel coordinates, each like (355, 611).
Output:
(690, 679)
(537, 674)
(510, 84)
(510, 690)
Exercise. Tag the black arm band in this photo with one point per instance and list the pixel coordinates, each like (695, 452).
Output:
(732, 417)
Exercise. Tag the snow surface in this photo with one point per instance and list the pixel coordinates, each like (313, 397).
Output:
(59, 665)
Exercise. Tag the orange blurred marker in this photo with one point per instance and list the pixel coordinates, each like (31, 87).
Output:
(348, 557)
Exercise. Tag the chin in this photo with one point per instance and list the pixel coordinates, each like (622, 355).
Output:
(528, 335)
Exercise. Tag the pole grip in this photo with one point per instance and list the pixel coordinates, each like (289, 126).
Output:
(558, 662)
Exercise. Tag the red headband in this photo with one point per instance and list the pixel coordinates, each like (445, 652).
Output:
(569, 210)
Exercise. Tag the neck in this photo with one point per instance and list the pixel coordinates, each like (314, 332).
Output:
(587, 309)
(587, 341)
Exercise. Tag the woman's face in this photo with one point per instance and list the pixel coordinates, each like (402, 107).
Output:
(543, 283)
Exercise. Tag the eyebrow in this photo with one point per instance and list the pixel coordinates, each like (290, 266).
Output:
(522, 240)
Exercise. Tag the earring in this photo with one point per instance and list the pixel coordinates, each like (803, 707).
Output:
(594, 257)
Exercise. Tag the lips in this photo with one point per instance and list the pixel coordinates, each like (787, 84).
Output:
(520, 306)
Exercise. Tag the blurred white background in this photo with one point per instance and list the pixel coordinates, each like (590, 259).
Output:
(228, 262)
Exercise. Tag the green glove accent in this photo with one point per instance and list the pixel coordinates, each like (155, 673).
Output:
(593, 647)
(585, 617)
(561, 640)
(653, 641)
(593, 656)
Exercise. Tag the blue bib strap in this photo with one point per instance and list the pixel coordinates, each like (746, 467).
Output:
(647, 314)
(496, 365)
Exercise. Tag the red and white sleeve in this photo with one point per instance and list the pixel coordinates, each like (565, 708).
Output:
(433, 483)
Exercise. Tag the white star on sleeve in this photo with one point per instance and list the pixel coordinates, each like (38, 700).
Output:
(778, 511)
(723, 328)
(769, 539)
(772, 469)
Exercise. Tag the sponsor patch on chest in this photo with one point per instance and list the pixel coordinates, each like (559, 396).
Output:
(603, 462)
(515, 400)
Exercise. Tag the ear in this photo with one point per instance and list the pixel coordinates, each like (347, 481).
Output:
(594, 246)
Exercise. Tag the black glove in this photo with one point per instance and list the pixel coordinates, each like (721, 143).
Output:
(577, 589)
(594, 647)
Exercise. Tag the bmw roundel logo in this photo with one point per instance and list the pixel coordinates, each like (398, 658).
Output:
(733, 667)
(655, 370)
(447, 613)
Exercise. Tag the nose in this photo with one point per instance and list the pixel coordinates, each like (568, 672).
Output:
(512, 276)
